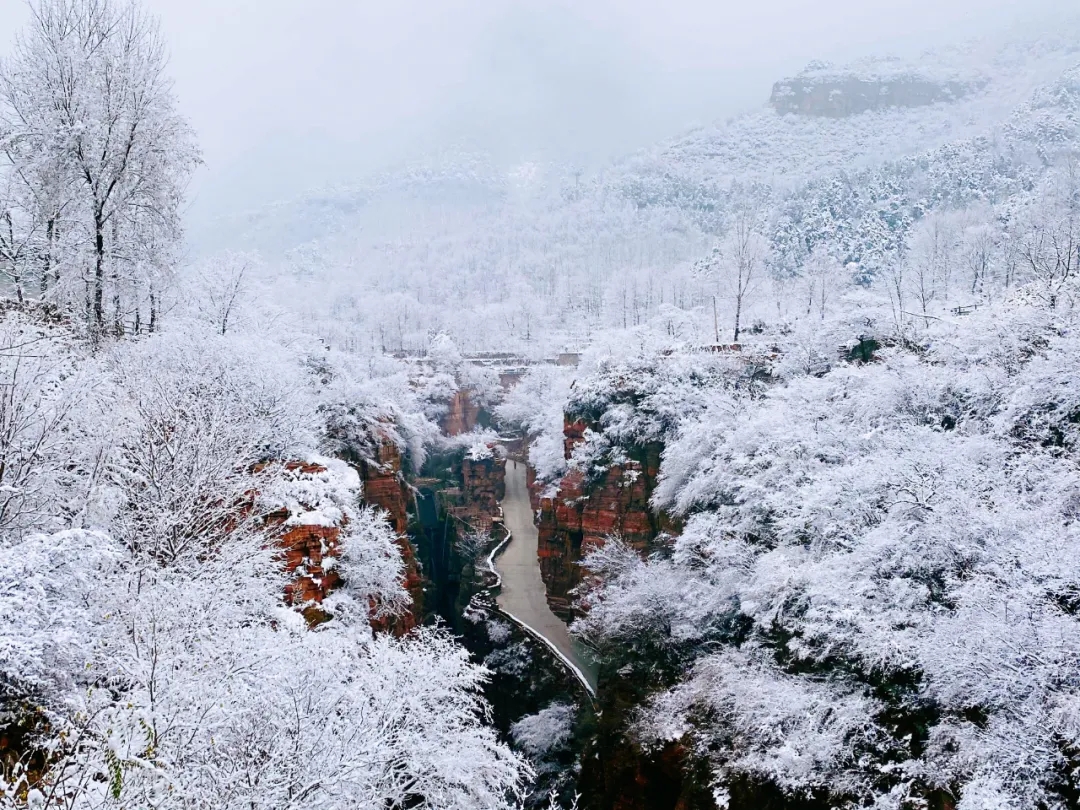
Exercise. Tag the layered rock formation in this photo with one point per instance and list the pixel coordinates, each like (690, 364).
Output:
(384, 483)
(385, 488)
(306, 545)
(308, 540)
(616, 772)
(483, 485)
(822, 90)
(583, 514)
(456, 504)
(462, 414)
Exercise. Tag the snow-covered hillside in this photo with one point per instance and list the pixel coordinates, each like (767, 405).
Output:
(541, 257)
(803, 456)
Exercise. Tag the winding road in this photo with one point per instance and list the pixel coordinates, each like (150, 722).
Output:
(523, 596)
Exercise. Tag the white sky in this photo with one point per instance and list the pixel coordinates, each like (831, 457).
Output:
(288, 95)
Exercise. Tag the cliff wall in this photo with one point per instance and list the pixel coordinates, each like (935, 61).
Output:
(483, 485)
(584, 513)
(839, 96)
(306, 547)
(462, 414)
(385, 488)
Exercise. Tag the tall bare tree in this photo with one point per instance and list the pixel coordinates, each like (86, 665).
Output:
(737, 263)
(1051, 251)
(90, 131)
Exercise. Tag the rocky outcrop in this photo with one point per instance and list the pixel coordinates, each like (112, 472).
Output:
(616, 772)
(462, 414)
(308, 543)
(306, 546)
(483, 485)
(306, 549)
(824, 91)
(384, 483)
(385, 488)
(584, 513)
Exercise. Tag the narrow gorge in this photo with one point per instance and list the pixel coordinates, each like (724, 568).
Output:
(479, 437)
(495, 555)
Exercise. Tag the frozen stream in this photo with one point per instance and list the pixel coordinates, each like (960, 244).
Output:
(523, 596)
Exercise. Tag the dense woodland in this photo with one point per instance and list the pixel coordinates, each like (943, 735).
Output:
(868, 603)
(151, 420)
(854, 339)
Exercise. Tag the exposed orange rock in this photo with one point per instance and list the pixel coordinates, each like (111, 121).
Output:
(483, 486)
(384, 484)
(583, 514)
(462, 416)
(385, 488)
(307, 547)
(573, 435)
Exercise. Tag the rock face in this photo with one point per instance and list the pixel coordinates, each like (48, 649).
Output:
(385, 489)
(616, 773)
(483, 485)
(822, 90)
(307, 545)
(306, 548)
(384, 484)
(462, 416)
(583, 514)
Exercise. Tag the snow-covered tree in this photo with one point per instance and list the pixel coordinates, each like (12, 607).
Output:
(157, 647)
(737, 265)
(868, 601)
(99, 153)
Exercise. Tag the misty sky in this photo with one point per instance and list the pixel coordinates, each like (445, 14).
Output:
(289, 95)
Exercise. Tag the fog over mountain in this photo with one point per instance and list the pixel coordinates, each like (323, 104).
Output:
(521, 405)
(290, 97)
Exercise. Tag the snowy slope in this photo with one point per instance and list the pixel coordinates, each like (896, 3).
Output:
(498, 256)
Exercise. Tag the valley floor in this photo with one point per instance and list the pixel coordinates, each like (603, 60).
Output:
(523, 595)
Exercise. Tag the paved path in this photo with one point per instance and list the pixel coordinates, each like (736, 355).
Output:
(523, 595)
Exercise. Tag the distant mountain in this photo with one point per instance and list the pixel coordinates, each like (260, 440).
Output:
(456, 178)
(495, 254)
(778, 146)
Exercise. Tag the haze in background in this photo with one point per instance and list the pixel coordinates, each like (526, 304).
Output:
(288, 96)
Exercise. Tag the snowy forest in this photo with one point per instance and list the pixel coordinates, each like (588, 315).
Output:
(797, 393)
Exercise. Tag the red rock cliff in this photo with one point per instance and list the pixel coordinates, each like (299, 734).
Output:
(306, 548)
(584, 514)
(385, 489)
(483, 486)
(308, 544)
(462, 415)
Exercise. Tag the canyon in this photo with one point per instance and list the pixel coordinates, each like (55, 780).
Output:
(490, 555)
(522, 593)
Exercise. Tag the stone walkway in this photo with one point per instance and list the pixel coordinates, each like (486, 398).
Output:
(523, 596)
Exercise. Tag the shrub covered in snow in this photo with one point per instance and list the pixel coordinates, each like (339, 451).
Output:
(546, 731)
